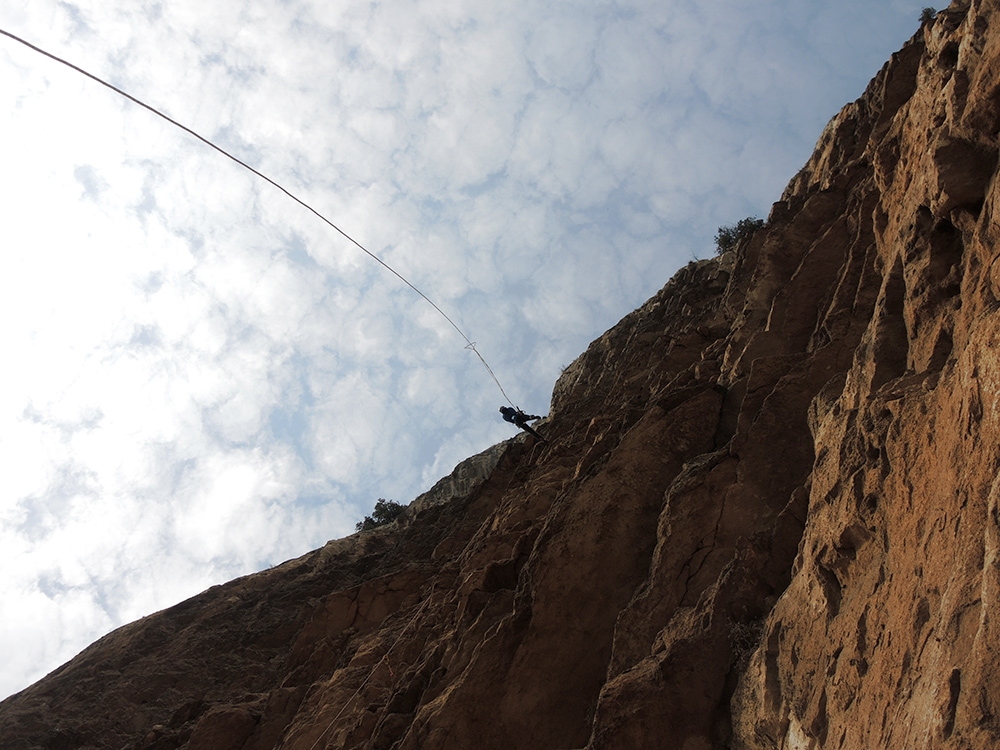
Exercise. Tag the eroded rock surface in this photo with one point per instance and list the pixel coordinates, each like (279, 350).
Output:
(766, 517)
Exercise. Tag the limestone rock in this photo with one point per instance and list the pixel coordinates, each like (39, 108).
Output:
(768, 514)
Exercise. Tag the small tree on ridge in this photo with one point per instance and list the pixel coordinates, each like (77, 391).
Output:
(729, 236)
(385, 512)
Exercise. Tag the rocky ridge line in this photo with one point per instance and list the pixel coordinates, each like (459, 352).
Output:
(767, 515)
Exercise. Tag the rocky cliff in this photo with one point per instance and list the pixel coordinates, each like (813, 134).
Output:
(767, 514)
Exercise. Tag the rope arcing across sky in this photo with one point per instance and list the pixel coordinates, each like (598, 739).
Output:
(470, 344)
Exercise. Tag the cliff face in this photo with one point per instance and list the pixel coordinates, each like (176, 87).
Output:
(767, 514)
(885, 636)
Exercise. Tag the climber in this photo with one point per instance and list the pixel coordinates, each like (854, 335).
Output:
(519, 418)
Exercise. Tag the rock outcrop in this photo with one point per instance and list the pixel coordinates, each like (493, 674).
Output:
(766, 515)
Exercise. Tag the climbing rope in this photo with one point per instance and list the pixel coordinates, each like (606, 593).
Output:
(470, 344)
(383, 660)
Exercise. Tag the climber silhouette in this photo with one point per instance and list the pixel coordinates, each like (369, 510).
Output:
(519, 418)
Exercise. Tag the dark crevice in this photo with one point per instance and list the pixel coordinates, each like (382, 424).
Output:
(954, 689)
(891, 345)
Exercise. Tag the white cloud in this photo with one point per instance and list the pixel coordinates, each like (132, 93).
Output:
(208, 379)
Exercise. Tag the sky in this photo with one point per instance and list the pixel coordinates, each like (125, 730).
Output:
(202, 379)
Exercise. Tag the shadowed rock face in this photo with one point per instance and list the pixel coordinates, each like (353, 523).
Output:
(767, 514)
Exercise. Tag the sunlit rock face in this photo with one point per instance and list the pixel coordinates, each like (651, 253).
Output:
(765, 514)
(885, 636)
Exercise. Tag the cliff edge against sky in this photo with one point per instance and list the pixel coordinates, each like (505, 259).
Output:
(767, 514)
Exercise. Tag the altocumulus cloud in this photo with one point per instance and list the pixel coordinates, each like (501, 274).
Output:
(204, 380)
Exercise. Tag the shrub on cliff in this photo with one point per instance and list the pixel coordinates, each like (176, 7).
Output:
(744, 639)
(927, 15)
(728, 237)
(385, 512)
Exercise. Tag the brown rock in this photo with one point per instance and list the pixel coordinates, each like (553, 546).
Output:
(767, 515)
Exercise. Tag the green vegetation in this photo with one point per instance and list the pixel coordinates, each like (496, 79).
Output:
(728, 237)
(385, 512)
(927, 15)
